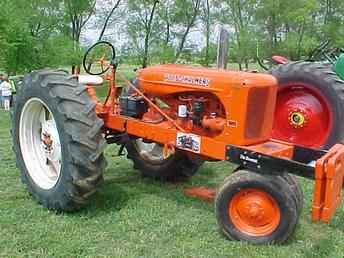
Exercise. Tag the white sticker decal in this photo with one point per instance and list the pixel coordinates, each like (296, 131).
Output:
(189, 142)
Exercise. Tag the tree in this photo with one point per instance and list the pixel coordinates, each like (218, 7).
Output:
(290, 29)
(107, 19)
(332, 15)
(78, 13)
(239, 15)
(185, 16)
(206, 20)
(23, 37)
(159, 32)
(140, 26)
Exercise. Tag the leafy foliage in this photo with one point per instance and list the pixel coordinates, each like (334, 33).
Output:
(151, 31)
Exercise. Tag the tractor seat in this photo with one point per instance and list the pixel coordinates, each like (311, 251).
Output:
(90, 80)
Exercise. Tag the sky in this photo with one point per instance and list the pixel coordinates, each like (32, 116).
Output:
(116, 33)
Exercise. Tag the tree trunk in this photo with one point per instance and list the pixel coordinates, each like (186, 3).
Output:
(207, 33)
(299, 43)
(147, 37)
(108, 19)
(191, 23)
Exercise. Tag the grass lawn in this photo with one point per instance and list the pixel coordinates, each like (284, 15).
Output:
(135, 217)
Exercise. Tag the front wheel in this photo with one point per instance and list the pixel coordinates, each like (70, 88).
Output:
(259, 209)
(57, 140)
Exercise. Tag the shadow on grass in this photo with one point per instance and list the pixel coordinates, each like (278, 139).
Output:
(123, 184)
(114, 194)
(119, 189)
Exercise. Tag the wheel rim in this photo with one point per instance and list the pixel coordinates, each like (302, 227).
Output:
(302, 116)
(40, 144)
(151, 152)
(254, 212)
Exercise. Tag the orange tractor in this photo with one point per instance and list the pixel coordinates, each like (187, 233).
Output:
(170, 119)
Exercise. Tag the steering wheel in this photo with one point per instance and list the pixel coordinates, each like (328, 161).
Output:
(99, 58)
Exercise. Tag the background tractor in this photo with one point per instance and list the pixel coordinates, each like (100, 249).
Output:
(170, 120)
(310, 100)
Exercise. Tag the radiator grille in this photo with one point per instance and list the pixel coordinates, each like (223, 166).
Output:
(257, 106)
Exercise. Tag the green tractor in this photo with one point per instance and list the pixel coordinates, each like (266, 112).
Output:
(339, 66)
(310, 102)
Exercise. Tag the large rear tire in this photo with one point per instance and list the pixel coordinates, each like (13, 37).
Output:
(150, 160)
(57, 140)
(310, 105)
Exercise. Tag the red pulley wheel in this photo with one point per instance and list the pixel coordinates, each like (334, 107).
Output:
(302, 116)
(310, 104)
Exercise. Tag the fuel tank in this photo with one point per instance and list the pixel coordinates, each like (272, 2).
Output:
(171, 79)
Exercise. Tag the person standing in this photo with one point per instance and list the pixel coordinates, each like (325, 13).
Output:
(13, 90)
(6, 92)
(1, 101)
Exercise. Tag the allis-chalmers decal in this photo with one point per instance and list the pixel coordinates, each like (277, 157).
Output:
(200, 81)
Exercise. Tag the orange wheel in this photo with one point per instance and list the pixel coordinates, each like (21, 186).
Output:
(260, 209)
(254, 212)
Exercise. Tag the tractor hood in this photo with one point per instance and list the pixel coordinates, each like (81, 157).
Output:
(171, 79)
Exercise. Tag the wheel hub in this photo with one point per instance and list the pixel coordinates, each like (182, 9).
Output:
(297, 118)
(50, 141)
(302, 116)
(254, 212)
(153, 152)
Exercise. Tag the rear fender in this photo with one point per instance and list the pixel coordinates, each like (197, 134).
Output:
(280, 59)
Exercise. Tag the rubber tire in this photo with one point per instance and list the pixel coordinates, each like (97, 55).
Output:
(177, 166)
(326, 81)
(276, 187)
(82, 143)
(294, 185)
(296, 189)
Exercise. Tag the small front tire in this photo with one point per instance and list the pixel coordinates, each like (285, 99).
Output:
(259, 209)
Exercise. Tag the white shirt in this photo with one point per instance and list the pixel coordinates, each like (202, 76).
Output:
(5, 89)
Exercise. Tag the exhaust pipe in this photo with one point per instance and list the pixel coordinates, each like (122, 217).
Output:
(222, 49)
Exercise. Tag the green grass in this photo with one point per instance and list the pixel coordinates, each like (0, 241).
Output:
(135, 217)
